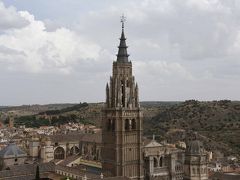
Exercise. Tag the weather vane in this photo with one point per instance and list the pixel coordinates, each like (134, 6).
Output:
(123, 20)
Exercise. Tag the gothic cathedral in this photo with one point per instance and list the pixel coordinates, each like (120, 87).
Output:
(122, 120)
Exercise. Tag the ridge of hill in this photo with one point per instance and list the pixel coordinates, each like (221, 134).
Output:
(218, 122)
(32, 109)
(36, 115)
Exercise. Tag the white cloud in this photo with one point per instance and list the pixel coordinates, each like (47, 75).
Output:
(33, 49)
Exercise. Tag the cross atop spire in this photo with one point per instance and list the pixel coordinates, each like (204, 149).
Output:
(123, 20)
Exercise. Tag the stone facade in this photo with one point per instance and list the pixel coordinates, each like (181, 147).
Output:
(162, 162)
(47, 151)
(195, 166)
(34, 145)
(59, 147)
(122, 121)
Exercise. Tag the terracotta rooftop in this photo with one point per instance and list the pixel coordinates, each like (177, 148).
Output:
(76, 137)
(225, 176)
(26, 171)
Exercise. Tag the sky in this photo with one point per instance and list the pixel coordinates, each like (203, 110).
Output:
(61, 51)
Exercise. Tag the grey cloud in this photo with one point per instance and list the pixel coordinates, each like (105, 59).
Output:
(180, 50)
(195, 29)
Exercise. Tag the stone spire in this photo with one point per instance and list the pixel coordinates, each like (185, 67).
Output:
(122, 121)
(122, 55)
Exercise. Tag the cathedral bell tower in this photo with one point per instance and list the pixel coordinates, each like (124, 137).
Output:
(122, 120)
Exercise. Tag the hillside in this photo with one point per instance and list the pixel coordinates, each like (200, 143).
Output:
(31, 109)
(83, 112)
(38, 115)
(218, 122)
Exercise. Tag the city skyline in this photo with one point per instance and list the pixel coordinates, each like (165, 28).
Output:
(65, 56)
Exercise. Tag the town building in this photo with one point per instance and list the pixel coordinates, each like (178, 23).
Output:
(162, 162)
(195, 165)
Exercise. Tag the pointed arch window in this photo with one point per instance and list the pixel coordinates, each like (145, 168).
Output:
(155, 162)
(128, 83)
(113, 125)
(127, 125)
(193, 170)
(161, 161)
(123, 93)
(109, 124)
(198, 170)
(59, 153)
(134, 124)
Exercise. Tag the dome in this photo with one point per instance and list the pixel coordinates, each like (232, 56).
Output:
(195, 147)
(12, 150)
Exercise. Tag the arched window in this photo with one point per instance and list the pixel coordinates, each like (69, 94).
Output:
(74, 150)
(198, 171)
(161, 161)
(59, 153)
(113, 125)
(134, 125)
(176, 168)
(109, 124)
(93, 150)
(155, 162)
(85, 149)
(97, 154)
(127, 125)
(127, 83)
(193, 170)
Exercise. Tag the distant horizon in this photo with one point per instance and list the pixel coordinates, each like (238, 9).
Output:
(17, 105)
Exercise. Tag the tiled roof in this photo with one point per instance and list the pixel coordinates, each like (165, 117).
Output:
(12, 150)
(77, 137)
(153, 143)
(65, 137)
(76, 171)
(225, 176)
(26, 170)
(69, 159)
